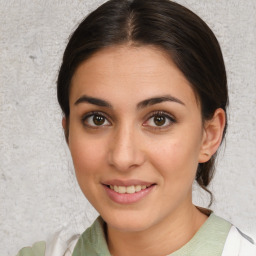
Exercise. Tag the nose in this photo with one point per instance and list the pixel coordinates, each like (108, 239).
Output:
(124, 150)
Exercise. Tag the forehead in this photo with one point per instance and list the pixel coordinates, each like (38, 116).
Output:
(130, 71)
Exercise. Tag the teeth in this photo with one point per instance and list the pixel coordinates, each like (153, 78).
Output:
(138, 188)
(129, 189)
(121, 189)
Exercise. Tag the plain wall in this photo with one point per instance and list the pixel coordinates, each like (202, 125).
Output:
(38, 189)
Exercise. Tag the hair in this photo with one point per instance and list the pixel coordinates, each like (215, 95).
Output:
(179, 32)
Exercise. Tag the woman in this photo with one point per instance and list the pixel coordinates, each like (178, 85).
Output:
(144, 94)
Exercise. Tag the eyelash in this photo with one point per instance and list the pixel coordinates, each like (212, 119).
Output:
(154, 114)
(93, 114)
(164, 114)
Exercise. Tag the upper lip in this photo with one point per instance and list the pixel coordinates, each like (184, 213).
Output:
(126, 183)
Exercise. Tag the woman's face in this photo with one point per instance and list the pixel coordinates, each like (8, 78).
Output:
(135, 135)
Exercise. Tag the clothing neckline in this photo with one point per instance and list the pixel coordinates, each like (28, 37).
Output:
(210, 237)
(208, 240)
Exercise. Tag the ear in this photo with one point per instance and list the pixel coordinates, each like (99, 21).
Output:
(65, 127)
(212, 137)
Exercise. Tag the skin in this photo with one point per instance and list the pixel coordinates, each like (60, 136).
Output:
(130, 144)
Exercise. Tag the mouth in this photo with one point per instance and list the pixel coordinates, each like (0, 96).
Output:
(127, 193)
(128, 189)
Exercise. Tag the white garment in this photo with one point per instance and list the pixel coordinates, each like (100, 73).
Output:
(59, 246)
(237, 244)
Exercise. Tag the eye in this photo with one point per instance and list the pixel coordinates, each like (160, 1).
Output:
(159, 120)
(95, 119)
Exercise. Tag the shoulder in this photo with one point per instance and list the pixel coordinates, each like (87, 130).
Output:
(57, 245)
(235, 242)
(38, 249)
(66, 242)
(239, 244)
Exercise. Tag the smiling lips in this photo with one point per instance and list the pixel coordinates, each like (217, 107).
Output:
(125, 193)
(129, 189)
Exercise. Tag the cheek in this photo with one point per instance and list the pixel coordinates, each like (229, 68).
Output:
(88, 155)
(176, 159)
(88, 158)
(177, 170)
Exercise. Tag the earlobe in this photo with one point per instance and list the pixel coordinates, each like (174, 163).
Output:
(212, 137)
(65, 128)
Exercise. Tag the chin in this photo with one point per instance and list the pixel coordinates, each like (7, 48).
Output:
(128, 221)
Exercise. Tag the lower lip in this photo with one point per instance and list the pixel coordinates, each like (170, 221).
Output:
(127, 198)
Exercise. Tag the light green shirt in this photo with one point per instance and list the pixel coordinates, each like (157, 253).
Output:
(208, 241)
(38, 249)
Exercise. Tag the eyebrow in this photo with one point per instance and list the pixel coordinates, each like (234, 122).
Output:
(94, 101)
(142, 104)
(156, 100)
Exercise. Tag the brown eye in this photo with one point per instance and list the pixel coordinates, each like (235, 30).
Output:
(95, 120)
(159, 120)
(98, 120)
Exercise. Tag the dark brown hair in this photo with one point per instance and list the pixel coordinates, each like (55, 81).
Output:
(180, 33)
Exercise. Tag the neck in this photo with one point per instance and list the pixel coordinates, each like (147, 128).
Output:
(163, 238)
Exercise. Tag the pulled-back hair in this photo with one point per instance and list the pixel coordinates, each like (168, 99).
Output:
(180, 33)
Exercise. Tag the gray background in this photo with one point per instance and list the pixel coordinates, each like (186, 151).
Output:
(38, 190)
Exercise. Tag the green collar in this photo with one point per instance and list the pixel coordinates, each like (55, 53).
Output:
(93, 242)
(209, 240)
